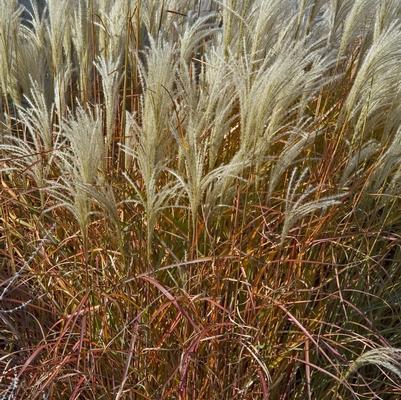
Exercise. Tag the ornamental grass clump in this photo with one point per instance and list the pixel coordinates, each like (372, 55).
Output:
(199, 199)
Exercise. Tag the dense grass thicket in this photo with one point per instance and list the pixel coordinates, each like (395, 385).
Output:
(200, 199)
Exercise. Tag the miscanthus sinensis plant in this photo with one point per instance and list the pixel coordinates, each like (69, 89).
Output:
(207, 193)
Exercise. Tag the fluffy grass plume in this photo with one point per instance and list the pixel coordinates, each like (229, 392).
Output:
(199, 199)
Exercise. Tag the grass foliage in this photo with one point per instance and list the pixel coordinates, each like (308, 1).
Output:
(200, 199)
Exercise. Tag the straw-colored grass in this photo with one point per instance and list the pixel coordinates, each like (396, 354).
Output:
(200, 199)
